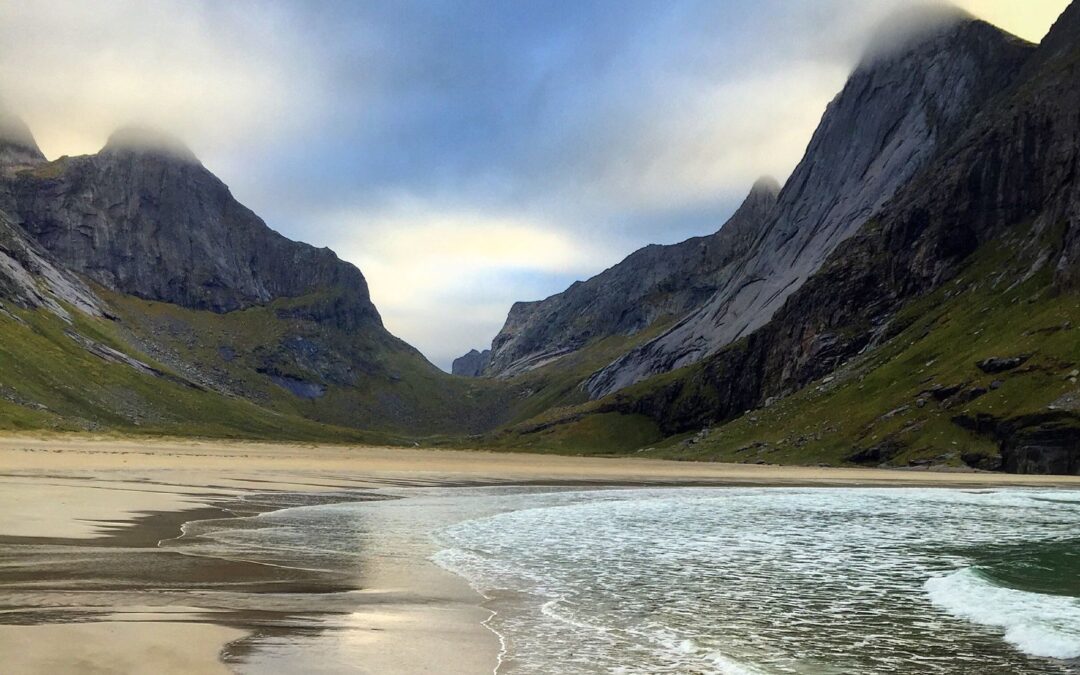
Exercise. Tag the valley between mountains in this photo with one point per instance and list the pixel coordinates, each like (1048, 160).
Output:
(910, 296)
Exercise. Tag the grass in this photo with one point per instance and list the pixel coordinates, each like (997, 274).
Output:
(50, 381)
(216, 377)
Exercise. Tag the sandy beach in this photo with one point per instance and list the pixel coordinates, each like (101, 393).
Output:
(85, 588)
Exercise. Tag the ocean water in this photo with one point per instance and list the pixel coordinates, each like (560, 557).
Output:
(722, 580)
(782, 581)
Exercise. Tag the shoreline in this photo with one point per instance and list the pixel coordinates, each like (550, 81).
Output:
(294, 464)
(112, 500)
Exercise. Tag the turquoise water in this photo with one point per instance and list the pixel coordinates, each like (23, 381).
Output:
(729, 580)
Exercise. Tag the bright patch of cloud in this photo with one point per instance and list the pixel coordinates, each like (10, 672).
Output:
(441, 278)
(1030, 19)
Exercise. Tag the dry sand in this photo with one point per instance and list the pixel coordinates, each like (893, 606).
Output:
(78, 508)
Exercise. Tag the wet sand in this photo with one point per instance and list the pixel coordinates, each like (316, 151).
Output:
(84, 588)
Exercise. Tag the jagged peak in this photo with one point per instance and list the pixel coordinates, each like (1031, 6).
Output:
(765, 186)
(16, 141)
(143, 139)
(911, 26)
(761, 198)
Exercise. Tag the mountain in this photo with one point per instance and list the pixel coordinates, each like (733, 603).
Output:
(137, 264)
(650, 285)
(143, 217)
(942, 331)
(896, 112)
(472, 364)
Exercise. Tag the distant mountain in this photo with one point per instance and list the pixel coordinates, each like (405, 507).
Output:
(651, 284)
(472, 364)
(892, 118)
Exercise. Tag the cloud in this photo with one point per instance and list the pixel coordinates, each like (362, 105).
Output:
(442, 277)
(218, 75)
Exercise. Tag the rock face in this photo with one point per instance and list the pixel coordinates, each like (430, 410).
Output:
(893, 116)
(29, 278)
(144, 217)
(472, 364)
(652, 283)
(1012, 170)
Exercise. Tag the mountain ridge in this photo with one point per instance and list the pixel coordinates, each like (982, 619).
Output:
(903, 108)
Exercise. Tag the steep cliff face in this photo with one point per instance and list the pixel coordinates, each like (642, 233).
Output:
(1006, 192)
(29, 278)
(144, 217)
(652, 283)
(472, 364)
(895, 114)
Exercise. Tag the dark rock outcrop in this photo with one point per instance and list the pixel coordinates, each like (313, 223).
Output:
(472, 364)
(999, 364)
(1047, 443)
(144, 217)
(895, 114)
(651, 283)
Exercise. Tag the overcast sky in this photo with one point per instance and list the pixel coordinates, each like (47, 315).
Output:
(463, 154)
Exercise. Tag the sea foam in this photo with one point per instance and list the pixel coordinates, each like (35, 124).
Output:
(1035, 623)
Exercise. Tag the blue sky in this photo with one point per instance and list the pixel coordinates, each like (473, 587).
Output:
(463, 154)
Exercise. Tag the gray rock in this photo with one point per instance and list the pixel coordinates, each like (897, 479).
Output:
(31, 278)
(1001, 364)
(472, 364)
(894, 114)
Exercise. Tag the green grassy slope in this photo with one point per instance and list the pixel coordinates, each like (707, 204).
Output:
(50, 380)
(263, 372)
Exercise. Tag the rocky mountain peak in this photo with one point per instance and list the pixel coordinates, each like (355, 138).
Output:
(653, 283)
(147, 140)
(766, 185)
(17, 144)
(472, 364)
(763, 194)
(143, 217)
